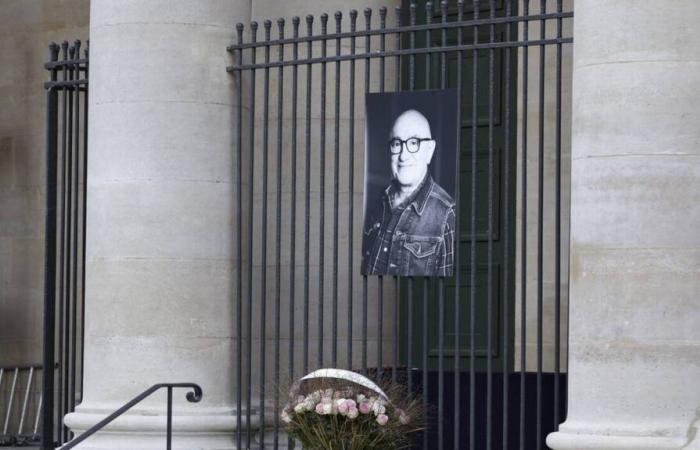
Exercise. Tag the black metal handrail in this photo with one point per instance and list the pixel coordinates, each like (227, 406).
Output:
(192, 397)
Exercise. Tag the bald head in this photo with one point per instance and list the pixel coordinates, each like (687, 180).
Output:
(415, 144)
(411, 123)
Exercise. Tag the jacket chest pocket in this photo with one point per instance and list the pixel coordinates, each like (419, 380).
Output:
(420, 255)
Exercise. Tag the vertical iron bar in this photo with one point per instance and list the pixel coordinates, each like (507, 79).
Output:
(69, 260)
(293, 213)
(506, 235)
(26, 399)
(428, 43)
(380, 306)
(263, 252)
(251, 215)
(409, 282)
(74, 296)
(239, 240)
(489, 264)
(557, 227)
(39, 413)
(351, 181)
(278, 238)
(50, 260)
(307, 200)
(441, 280)
(425, 355)
(540, 220)
(457, 245)
(322, 187)
(364, 323)
(84, 218)
(380, 325)
(364, 277)
(523, 232)
(336, 186)
(395, 363)
(11, 400)
(472, 293)
(428, 20)
(382, 75)
(63, 246)
(169, 431)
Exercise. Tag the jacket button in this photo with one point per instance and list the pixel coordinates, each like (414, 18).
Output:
(386, 249)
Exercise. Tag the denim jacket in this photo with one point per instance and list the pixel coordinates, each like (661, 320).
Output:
(413, 239)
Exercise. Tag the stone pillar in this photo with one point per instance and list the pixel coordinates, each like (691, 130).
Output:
(635, 244)
(160, 245)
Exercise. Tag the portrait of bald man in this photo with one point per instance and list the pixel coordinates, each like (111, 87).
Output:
(409, 226)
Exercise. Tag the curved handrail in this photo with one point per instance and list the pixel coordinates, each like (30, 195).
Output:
(193, 397)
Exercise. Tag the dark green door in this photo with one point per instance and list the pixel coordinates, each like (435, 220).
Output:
(423, 297)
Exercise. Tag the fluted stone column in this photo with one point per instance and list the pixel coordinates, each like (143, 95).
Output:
(635, 237)
(160, 242)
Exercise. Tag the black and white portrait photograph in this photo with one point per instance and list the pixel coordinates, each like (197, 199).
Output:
(409, 207)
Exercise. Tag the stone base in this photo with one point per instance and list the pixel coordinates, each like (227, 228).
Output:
(145, 429)
(574, 436)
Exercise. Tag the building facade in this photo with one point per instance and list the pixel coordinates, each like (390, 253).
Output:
(162, 236)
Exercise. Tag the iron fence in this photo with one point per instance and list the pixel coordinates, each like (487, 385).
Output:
(464, 344)
(20, 404)
(66, 172)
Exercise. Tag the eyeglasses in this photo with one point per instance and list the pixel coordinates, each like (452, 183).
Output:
(412, 144)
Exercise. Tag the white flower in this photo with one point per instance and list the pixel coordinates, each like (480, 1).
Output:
(353, 413)
(378, 408)
(286, 418)
(327, 408)
(300, 408)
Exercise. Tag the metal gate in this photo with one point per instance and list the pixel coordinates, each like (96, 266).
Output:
(301, 301)
(64, 271)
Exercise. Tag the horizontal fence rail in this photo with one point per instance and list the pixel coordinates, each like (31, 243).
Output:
(66, 166)
(485, 349)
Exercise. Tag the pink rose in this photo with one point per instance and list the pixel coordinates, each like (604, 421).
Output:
(365, 408)
(382, 419)
(319, 408)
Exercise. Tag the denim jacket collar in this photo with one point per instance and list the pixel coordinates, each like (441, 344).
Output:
(419, 197)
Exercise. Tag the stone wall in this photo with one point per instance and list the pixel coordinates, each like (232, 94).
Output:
(26, 29)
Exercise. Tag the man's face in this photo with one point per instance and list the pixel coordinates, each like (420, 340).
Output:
(408, 168)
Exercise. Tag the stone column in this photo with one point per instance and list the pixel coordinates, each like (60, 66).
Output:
(160, 243)
(635, 244)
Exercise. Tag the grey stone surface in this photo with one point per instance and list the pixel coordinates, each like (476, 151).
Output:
(26, 29)
(160, 265)
(635, 259)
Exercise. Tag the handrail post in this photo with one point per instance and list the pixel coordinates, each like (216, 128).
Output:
(169, 436)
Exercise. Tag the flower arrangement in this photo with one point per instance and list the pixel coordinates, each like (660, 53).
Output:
(334, 409)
